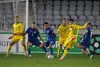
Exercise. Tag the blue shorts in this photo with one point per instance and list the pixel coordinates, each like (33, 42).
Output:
(50, 42)
(36, 43)
(85, 44)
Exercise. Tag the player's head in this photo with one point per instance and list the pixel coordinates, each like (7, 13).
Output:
(71, 21)
(45, 25)
(33, 25)
(88, 25)
(16, 19)
(64, 21)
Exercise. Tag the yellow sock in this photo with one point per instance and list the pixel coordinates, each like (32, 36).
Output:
(59, 50)
(9, 49)
(24, 48)
(65, 53)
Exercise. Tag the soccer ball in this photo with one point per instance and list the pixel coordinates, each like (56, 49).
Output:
(95, 45)
(50, 57)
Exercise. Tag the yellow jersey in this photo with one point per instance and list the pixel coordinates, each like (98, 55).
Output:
(63, 30)
(74, 29)
(18, 27)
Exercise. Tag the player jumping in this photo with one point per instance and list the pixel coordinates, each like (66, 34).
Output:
(63, 33)
(84, 45)
(51, 37)
(72, 37)
(18, 35)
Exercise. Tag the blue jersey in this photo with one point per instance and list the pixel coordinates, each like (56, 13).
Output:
(33, 34)
(88, 35)
(50, 33)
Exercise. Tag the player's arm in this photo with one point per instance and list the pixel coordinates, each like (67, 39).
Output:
(82, 27)
(84, 34)
(59, 31)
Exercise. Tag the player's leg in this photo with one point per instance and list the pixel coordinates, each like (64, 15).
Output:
(29, 44)
(67, 46)
(61, 41)
(10, 46)
(51, 43)
(87, 52)
(22, 40)
(42, 47)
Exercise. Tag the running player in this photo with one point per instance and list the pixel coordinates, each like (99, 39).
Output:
(33, 35)
(85, 44)
(18, 35)
(51, 37)
(72, 37)
(63, 33)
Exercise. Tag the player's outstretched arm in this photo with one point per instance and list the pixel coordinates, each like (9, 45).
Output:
(82, 27)
(83, 35)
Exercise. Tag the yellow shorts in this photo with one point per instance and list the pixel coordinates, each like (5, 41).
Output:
(70, 43)
(18, 38)
(61, 41)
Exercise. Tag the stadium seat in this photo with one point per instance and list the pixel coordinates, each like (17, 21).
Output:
(64, 3)
(95, 13)
(56, 12)
(80, 3)
(64, 12)
(96, 3)
(96, 8)
(64, 8)
(40, 17)
(72, 3)
(80, 8)
(81, 22)
(57, 22)
(56, 7)
(48, 17)
(48, 12)
(72, 12)
(57, 3)
(88, 8)
(48, 7)
(40, 7)
(98, 18)
(72, 8)
(90, 18)
(82, 18)
(87, 13)
(79, 12)
(49, 3)
(57, 17)
(74, 17)
(66, 16)
(89, 3)
(40, 22)
(41, 12)
(98, 24)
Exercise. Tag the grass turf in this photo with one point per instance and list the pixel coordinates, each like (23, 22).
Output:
(39, 60)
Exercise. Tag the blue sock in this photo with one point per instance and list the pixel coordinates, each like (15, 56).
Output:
(51, 51)
(89, 54)
(29, 51)
(44, 49)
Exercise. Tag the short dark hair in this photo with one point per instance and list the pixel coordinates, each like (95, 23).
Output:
(71, 20)
(89, 23)
(64, 18)
(33, 23)
(45, 22)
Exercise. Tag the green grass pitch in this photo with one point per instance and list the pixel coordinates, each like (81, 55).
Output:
(39, 60)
